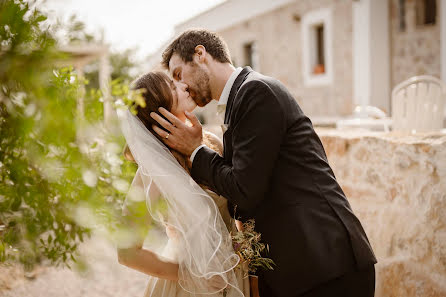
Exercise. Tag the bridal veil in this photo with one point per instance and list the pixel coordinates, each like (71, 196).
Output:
(205, 245)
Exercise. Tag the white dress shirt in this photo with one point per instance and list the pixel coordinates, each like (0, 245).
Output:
(222, 102)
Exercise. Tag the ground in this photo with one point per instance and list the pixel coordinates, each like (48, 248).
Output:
(105, 277)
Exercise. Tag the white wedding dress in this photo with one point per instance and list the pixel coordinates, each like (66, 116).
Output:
(161, 287)
(198, 220)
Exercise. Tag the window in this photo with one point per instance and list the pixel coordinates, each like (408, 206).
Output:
(317, 51)
(248, 49)
(402, 15)
(234, 62)
(251, 55)
(426, 12)
(319, 63)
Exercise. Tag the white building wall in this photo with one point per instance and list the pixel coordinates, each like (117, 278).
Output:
(371, 57)
(443, 39)
(230, 13)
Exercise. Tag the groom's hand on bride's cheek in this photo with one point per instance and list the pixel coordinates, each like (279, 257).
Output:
(180, 137)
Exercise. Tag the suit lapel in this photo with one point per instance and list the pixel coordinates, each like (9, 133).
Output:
(235, 87)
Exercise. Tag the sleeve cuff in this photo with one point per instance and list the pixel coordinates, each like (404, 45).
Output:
(192, 156)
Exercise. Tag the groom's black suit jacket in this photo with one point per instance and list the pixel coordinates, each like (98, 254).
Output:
(275, 170)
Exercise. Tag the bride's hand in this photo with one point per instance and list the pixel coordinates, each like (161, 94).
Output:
(180, 137)
(239, 225)
(171, 232)
(217, 283)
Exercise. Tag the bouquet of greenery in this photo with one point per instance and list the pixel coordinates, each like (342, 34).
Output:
(247, 245)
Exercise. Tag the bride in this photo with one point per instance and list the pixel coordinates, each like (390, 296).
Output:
(198, 258)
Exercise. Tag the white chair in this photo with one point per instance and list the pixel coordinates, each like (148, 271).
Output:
(366, 117)
(418, 104)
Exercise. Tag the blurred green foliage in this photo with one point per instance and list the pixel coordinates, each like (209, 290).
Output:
(60, 178)
(123, 63)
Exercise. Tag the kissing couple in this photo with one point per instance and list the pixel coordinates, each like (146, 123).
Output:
(270, 167)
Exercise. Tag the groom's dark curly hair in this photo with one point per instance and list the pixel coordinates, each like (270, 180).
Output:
(184, 45)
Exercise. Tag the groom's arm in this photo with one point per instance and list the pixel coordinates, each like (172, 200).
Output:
(257, 131)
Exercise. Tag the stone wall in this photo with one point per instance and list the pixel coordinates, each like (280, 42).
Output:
(279, 43)
(397, 186)
(417, 49)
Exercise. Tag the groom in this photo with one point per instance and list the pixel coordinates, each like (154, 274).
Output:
(274, 170)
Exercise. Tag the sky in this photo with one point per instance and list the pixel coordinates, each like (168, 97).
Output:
(145, 24)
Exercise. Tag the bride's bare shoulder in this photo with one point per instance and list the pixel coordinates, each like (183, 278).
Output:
(213, 142)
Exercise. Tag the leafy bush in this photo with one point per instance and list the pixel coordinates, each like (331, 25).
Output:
(59, 177)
